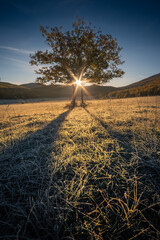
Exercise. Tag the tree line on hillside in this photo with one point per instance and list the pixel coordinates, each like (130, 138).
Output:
(16, 92)
(148, 90)
(41, 92)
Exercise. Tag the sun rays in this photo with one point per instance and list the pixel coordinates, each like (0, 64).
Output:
(78, 81)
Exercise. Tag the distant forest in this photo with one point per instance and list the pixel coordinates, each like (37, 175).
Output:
(151, 89)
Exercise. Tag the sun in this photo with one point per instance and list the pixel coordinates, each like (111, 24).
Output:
(78, 82)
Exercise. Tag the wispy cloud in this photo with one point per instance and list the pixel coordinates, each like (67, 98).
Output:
(17, 60)
(17, 50)
(21, 64)
(24, 63)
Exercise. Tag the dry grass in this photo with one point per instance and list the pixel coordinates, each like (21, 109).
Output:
(83, 173)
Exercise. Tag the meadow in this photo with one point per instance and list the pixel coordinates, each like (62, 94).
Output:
(81, 173)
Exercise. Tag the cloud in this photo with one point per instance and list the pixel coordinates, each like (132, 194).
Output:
(17, 60)
(21, 64)
(17, 50)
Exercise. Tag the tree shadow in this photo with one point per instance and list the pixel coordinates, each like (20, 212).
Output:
(25, 181)
(121, 138)
(103, 124)
(125, 140)
(35, 142)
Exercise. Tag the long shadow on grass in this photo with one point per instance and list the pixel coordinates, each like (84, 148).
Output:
(144, 164)
(25, 185)
(147, 171)
(121, 138)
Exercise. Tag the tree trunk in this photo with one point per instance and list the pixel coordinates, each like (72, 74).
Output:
(73, 102)
(82, 102)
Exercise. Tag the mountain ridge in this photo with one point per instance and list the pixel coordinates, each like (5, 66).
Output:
(142, 82)
(147, 86)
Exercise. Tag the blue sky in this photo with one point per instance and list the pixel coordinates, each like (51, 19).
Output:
(135, 24)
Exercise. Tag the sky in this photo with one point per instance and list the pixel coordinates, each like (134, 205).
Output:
(135, 24)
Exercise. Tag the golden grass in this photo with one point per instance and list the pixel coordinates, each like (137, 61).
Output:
(83, 173)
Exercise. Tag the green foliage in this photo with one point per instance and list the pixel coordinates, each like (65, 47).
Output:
(82, 52)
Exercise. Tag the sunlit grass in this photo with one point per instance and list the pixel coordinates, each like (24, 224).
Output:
(87, 173)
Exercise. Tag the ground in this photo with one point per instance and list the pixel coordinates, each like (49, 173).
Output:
(81, 173)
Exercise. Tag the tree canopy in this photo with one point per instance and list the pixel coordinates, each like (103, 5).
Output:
(83, 53)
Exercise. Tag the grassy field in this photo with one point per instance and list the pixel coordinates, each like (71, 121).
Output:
(82, 173)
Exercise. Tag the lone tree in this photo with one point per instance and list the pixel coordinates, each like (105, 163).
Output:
(77, 56)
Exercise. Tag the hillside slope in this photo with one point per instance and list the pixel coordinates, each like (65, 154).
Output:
(13, 91)
(11, 85)
(32, 90)
(30, 85)
(146, 87)
(146, 81)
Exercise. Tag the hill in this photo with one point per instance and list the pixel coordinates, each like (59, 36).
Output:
(146, 81)
(30, 85)
(94, 90)
(146, 87)
(10, 85)
(32, 90)
(13, 91)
